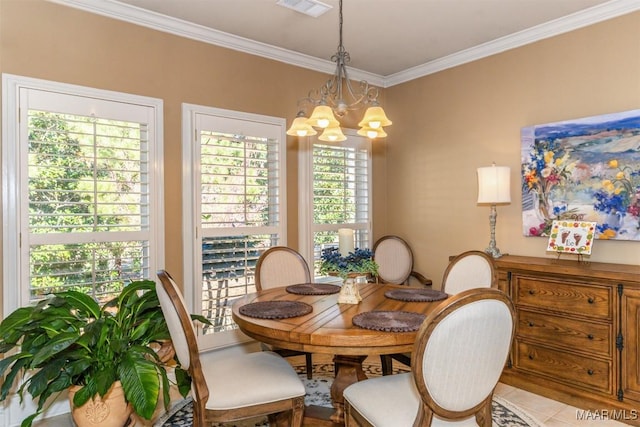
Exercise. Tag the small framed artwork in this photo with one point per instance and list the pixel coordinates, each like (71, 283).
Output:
(574, 237)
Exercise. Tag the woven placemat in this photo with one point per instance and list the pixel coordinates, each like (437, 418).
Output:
(313, 289)
(275, 309)
(413, 295)
(389, 321)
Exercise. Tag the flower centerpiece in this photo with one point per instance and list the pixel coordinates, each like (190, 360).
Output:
(357, 263)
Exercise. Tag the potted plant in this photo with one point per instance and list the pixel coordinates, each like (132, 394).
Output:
(70, 341)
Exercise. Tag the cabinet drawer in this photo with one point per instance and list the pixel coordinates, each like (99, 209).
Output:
(584, 300)
(564, 366)
(591, 337)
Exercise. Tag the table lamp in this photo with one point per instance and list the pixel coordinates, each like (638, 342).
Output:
(494, 188)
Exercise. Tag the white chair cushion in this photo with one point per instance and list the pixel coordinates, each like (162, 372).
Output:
(249, 379)
(392, 401)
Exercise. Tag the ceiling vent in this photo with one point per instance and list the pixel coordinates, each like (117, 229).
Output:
(308, 7)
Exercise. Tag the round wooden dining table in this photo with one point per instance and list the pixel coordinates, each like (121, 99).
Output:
(328, 328)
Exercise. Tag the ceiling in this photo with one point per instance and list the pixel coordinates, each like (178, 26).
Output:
(390, 41)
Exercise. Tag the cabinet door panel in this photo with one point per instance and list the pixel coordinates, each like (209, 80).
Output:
(630, 354)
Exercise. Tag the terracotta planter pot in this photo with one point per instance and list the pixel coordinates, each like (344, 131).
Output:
(112, 410)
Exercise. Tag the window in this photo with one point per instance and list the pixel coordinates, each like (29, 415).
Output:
(335, 193)
(82, 195)
(235, 209)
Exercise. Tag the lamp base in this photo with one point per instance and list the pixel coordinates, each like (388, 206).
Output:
(493, 251)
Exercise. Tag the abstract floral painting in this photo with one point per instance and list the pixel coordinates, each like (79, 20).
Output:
(586, 170)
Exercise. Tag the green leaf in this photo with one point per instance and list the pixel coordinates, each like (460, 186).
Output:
(7, 361)
(40, 380)
(20, 362)
(54, 347)
(183, 380)
(105, 379)
(140, 330)
(166, 398)
(29, 420)
(15, 321)
(83, 395)
(81, 302)
(140, 382)
(201, 319)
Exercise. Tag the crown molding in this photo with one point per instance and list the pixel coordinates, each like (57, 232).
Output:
(602, 12)
(156, 21)
(179, 27)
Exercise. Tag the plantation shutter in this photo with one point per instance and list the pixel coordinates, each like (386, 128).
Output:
(240, 207)
(87, 210)
(341, 192)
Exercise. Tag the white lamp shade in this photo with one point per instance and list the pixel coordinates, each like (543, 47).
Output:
(494, 184)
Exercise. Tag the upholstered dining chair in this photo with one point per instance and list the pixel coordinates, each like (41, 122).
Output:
(283, 266)
(244, 386)
(395, 265)
(460, 352)
(395, 261)
(470, 269)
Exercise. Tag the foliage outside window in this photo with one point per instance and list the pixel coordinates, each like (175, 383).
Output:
(86, 177)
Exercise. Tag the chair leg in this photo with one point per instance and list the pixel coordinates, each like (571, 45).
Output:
(387, 364)
(309, 364)
(297, 414)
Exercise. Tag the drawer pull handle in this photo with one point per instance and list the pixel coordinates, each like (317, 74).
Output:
(531, 356)
(531, 292)
(590, 371)
(590, 336)
(590, 300)
(531, 324)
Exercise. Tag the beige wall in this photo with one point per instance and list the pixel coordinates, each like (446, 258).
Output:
(48, 41)
(448, 124)
(445, 125)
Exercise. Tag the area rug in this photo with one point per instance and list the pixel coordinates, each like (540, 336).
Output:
(504, 413)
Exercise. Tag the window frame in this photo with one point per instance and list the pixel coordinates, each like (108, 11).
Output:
(191, 232)
(15, 246)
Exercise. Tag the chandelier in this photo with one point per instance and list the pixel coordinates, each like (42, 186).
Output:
(329, 101)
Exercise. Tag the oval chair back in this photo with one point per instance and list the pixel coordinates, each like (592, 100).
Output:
(281, 266)
(471, 269)
(394, 258)
(460, 353)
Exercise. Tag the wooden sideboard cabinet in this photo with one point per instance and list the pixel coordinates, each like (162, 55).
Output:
(577, 335)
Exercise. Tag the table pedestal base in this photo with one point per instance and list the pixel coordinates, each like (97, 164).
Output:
(349, 372)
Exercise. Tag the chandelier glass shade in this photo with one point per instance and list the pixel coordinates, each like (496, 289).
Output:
(330, 101)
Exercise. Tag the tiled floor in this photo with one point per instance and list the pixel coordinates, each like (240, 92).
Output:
(552, 413)
(548, 412)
